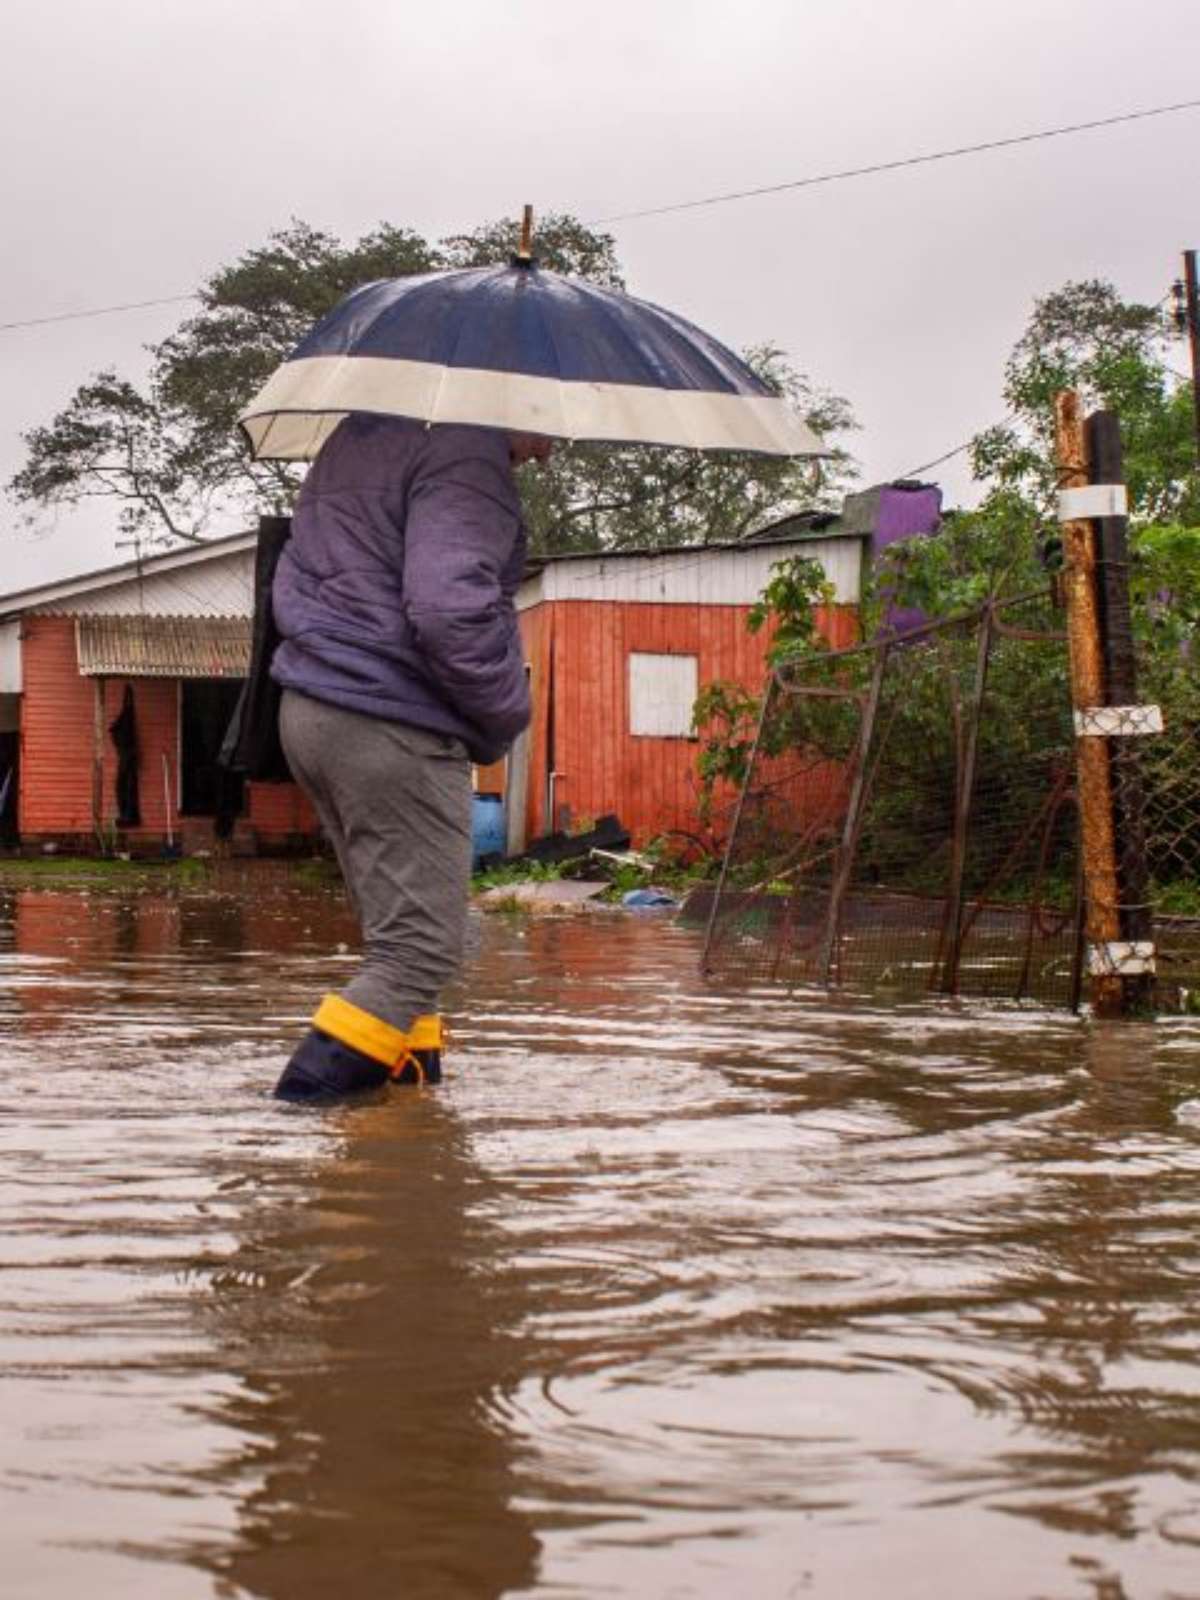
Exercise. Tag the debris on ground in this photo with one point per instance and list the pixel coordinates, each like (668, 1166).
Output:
(542, 894)
(608, 834)
(649, 899)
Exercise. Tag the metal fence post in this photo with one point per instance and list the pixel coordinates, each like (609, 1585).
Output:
(952, 929)
(852, 825)
(769, 691)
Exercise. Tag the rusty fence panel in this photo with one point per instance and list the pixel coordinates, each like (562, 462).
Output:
(1164, 798)
(908, 823)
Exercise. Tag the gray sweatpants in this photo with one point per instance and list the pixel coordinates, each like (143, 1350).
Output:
(395, 802)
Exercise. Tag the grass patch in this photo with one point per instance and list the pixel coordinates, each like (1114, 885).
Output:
(88, 872)
(165, 875)
(317, 873)
(505, 905)
(517, 872)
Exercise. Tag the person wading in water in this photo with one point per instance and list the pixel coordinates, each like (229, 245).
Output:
(400, 664)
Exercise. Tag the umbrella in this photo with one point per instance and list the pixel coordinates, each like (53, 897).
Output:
(524, 349)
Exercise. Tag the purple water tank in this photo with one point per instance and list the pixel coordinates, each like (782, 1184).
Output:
(892, 511)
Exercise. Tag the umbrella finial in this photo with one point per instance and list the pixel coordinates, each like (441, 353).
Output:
(524, 255)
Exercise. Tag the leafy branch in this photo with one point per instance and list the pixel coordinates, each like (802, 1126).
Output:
(169, 453)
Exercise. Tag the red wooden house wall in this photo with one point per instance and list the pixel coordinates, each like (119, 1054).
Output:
(578, 652)
(579, 658)
(58, 719)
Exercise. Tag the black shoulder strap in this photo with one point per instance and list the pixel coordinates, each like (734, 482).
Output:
(251, 743)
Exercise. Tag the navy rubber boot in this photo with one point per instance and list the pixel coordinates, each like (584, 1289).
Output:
(325, 1069)
(419, 1066)
(421, 1059)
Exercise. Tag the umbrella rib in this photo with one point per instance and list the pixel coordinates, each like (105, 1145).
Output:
(446, 365)
(616, 323)
(691, 338)
(560, 384)
(671, 395)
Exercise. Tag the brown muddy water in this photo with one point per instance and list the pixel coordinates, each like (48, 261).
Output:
(669, 1291)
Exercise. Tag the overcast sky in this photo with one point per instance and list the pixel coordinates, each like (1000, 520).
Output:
(149, 141)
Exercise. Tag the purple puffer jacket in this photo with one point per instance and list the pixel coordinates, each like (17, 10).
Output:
(394, 594)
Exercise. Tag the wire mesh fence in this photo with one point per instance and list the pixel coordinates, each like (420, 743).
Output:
(1167, 787)
(909, 821)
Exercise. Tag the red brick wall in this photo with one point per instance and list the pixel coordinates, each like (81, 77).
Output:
(56, 731)
(279, 811)
(156, 706)
(57, 738)
(57, 722)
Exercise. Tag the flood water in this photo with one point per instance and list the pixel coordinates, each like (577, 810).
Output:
(668, 1291)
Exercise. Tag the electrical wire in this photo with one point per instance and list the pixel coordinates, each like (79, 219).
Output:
(722, 199)
(742, 194)
(904, 161)
(96, 311)
(915, 472)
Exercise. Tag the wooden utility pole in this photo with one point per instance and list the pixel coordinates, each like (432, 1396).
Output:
(1102, 920)
(1106, 461)
(1192, 314)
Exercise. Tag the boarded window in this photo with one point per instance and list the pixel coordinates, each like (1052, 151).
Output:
(662, 691)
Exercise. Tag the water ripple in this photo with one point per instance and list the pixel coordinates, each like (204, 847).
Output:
(666, 1291)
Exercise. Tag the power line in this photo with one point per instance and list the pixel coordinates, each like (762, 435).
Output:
(906, 161)
(716, 200)
(915, 472)
(96, 311)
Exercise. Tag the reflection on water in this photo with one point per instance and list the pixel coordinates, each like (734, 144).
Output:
(368, 1322)
(666, 1292)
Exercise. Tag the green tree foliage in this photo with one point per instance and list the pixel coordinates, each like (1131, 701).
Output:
(796, 589)
(974, 555)
(594, 497)
(168, 455)
(1117, 354)
(726, 716)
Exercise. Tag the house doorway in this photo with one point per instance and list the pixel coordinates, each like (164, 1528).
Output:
(10, 783)
(206, 789)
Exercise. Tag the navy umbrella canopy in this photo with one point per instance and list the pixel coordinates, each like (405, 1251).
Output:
(525, 349)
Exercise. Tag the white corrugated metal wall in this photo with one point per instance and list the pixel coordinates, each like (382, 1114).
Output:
(693, 577)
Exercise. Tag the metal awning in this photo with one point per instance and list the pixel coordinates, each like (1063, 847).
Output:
(163, 647)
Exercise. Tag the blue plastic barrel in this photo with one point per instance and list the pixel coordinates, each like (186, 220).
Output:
(487, 826)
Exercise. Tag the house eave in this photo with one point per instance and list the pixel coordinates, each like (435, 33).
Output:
(45, 596)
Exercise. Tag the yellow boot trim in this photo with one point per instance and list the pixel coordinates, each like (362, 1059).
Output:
(426, 1033)
(373, 1037)
(369, 1035)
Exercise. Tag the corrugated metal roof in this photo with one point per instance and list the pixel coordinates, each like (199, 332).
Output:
(80, 590)
(691, 553)
(163, 647)
(217, 588)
